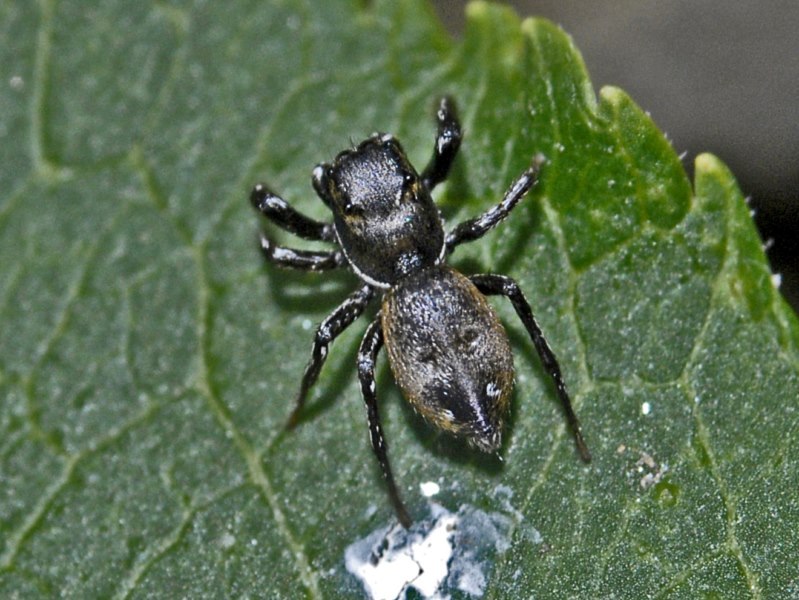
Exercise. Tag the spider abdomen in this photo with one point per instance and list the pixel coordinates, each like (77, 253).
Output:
(449, 354)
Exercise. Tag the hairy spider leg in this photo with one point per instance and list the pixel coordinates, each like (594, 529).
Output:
(341, 318)
(477, 227)
(367, 356)
(284, 216)
(448, 141)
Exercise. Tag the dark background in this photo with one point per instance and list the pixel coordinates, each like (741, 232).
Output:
(716, 76)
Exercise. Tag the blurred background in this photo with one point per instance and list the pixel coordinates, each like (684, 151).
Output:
(716, 76)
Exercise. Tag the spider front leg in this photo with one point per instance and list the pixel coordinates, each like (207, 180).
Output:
(305, 260)
(341, 318)
(448, 140)
(283, 215)
(505, 286)
(367, 356)
(476, 228)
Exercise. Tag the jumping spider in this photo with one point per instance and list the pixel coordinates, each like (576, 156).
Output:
(448, 350)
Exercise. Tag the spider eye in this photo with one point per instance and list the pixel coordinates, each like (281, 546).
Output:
(352, 210)
(344, 203)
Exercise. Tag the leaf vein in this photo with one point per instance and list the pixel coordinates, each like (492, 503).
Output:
(258, 475)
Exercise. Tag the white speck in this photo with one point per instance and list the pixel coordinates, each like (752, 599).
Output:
(16, 82)
(776, 279)
(429, 488)
(646, 408)
(697, 399)
(651, 472)
(611, 183)
(227, 540)
(253, 542)
(306, 324)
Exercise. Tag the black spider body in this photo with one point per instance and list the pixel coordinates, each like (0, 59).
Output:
(447, 349)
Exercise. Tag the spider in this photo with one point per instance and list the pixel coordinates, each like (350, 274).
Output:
(448, 350)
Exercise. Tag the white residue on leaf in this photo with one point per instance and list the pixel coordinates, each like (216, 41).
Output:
(391, 560)
(646, 469)
(444, 553)
(227, 541)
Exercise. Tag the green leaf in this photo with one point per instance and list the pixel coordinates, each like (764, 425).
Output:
(148, 358)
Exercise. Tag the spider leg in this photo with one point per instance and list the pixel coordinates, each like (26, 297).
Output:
(505, 286)
(341, 318)
(280, 212)
(477, 227)
(367, 356)
(283, 215)
(306, 260)
(448, 140)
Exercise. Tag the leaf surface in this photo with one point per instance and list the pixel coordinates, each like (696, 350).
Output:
(148, 358)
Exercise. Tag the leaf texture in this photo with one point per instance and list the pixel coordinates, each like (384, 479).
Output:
(148, 358)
